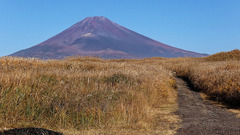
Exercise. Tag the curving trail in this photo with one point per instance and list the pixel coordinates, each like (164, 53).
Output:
(200, 117)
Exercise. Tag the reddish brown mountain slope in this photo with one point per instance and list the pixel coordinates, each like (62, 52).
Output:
(101, 37)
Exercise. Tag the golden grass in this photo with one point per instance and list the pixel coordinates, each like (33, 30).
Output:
(81, 94)
(220, 80)
(225, 56)
(89, 95)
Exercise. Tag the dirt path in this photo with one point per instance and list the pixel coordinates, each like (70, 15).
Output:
(200, 117)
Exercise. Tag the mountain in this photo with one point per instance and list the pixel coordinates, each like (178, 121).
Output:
(99, 36)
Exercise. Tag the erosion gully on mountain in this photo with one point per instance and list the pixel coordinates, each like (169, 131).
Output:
(201, 117)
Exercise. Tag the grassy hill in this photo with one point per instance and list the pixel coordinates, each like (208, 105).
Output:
(225, 56)
(216, 75)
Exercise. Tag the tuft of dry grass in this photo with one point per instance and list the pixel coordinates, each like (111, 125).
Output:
(83, 93)
(225, 56)
(220, 80)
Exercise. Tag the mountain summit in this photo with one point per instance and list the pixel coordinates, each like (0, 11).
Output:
(101, 37)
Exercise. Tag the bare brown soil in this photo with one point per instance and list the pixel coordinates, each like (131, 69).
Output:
(200, 117)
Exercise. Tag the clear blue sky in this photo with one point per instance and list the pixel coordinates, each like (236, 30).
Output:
(205, 26)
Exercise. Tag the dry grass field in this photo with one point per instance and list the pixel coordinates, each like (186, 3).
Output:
(90, 95)
(87, 95)
(217, 75)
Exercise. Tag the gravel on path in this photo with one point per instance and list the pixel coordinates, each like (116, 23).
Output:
(200, 117)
